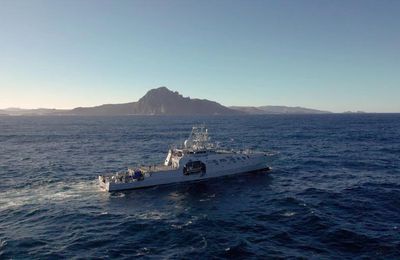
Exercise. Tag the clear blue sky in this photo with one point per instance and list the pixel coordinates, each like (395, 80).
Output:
(333, 55)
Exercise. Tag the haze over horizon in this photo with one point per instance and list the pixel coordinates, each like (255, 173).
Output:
(334, 56)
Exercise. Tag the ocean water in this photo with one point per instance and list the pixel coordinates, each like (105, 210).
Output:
(334, 191)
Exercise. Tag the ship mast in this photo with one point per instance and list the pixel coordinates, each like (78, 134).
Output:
(198, 139)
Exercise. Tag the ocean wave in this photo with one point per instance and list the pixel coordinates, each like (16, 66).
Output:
(333, 191)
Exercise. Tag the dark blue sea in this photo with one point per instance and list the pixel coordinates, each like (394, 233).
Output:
(334, 191)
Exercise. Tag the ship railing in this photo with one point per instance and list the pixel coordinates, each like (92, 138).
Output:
(122, 177)
(157, 168)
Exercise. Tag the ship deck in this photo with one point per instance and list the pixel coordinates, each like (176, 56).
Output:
(156, 168)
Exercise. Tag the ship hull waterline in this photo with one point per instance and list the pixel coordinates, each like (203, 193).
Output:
(111, 187)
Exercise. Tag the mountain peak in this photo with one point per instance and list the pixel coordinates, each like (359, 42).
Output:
(162, 101)
(161, 90)
(159, 94)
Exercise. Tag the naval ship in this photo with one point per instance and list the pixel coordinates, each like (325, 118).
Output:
(197, 160)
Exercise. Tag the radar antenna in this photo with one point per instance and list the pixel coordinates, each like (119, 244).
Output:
(198, 139)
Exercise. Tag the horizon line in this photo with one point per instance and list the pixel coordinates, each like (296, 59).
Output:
(328, 112)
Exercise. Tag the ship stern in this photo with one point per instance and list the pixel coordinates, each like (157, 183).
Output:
(104, 184)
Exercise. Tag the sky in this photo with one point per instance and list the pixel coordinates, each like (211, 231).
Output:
(330, 55)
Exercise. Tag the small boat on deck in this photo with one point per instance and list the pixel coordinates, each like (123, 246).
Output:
(198, 159)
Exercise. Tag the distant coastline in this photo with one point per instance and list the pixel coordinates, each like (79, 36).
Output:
(162, 101)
